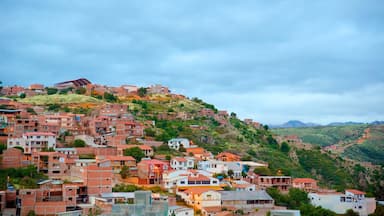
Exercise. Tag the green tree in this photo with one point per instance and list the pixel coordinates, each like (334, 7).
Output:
(22, 95)
(379, 211)
(2, 148)
(80, 90)
(230, 173)
(31, 111)
(264, 171)
(285, 147)
(150, 132)
(135, 152)
(31, 213)
(51, 91)
(350, 212)
(109, 97)
(142, 92)
(79, 143)
(124, 172)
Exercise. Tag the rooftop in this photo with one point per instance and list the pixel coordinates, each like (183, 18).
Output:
(245, 195)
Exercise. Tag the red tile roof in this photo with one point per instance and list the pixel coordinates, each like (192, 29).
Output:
(198, 178)
(303, 180)
(120, 158)
(356, 192)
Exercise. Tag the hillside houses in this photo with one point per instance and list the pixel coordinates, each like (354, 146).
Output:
(183, 159)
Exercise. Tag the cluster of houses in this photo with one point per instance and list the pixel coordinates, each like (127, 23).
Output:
(81, 179)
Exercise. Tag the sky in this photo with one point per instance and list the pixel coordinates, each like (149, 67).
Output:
(272, 61)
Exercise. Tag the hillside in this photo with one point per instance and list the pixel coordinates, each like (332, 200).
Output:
(325, 135)
(371, 149)
(60, 99)
(216, 131)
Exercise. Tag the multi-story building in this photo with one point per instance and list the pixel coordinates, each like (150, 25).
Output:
(176, 143)
(306, 184)
(118, 162)
(283, 183)
(33, 141)
(340, 203)
(182, 163)
(200, 197)
(150, 171)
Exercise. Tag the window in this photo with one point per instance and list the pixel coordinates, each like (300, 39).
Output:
(70, 198)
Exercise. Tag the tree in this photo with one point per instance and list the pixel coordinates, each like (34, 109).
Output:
(150, 132)
(264, 171)
(285, 147)
(31, 213)
(135, 152)
(233, 115)
(142, 92)
(109, 97)
(379, 211)
(266, 127)
(31, 111)
(79, 143)
(124, 172)
(80, 90)
(182, 148)
(22, 95)
(230, 173)
(51, 91)
(350, 212)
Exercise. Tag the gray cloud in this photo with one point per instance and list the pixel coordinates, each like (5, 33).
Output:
(264, 59)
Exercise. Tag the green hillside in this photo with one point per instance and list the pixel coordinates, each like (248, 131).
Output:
(372, 149)
(258, 144)
(325, 136)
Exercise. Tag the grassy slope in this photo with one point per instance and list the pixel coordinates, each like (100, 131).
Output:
(59, 99)
(371, 150)
(325, 136)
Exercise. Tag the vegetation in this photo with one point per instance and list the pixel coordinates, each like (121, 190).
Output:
(79, 143)
(135, 152)
(51, 91)
(372, 149)
(142, 92)
(60, 99)
(298, 199)
(325, 136)
(109, 97)
(26, 177)
(124, 172)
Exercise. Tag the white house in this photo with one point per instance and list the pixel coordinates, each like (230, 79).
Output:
(241, 185)
(340, 203)
(213, 166)
(33, 141)
(182, 163)
(175, 143)
(188, 178)
(180, 211)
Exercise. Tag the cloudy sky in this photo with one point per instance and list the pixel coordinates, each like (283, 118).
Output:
(315, 61)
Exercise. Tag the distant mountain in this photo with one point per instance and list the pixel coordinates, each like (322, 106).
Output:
(344, 123)
(377, 122)
(300, 124)
(295, 124)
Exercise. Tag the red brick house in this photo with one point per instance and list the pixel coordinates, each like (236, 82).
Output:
(151, 171)
(226, 156)
(306, 184)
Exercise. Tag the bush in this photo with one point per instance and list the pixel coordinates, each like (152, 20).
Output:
(78, 143)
